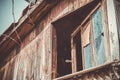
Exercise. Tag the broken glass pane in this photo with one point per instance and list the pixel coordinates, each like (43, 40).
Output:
(98, 37)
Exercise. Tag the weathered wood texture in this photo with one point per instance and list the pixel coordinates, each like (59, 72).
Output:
(113, 33)
(106, 30)
(33, 59)
(108, 71)
(117, 11)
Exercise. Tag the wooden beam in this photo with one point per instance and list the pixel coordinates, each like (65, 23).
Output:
(87, 70)
(36, 14)
(73, 55)
(78, 28)
(113, 33)
(93, 45)
(54, 52)
(105, 30)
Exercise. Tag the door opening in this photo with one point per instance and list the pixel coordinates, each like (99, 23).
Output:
(63, 56)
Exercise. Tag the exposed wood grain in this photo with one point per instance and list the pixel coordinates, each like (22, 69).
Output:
(36, 58)
(113, 34)
(73, 55)
(106, 31)
(97, 73)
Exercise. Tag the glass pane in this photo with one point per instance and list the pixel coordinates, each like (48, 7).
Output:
(88, 48)
(88, 56)
(98, 37)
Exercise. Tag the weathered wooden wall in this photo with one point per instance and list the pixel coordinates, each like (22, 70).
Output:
(117, 11)
(33, 60)
(106, 72)
(113, 33)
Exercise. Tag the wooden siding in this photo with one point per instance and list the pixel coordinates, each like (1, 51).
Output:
(109, 71)
(106, 31)
(113, 33)
(117, 11)
(33, 61)
(88, 57)
(35, 58)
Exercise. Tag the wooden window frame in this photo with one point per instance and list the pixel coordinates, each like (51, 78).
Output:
(73, 48)
(73, 56)
(79, 29)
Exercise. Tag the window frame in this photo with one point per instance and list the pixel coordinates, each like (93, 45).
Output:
(77, 29)
(80, 29)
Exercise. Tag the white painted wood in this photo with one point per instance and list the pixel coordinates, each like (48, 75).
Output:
(113, 34)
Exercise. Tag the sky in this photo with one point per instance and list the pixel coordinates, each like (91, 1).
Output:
(6, 17)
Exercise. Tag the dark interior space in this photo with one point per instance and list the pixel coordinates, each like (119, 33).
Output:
(64, 27)
(64, 51)
(63, 54)
(77, 42)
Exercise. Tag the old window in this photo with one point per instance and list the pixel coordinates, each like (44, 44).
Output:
(92, 42)
(86, 35)
(98, 37)
(76, 53)
(80, 43)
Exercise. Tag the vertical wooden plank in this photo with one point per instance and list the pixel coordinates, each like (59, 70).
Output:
(93, 45)
(54, 53)
(73, 55)
(15, 69)
(117, 11)
(48, 62)
(83, 59)
(113, 34)
(105, 30)
(87, 45)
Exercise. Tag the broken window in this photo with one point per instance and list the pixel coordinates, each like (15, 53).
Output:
(76, 53)
(98, 37)
(91, 37)
(80, 43)
(86, 36)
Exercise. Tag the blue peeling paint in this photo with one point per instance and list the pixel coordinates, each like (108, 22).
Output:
(98, 37)
(88, 54)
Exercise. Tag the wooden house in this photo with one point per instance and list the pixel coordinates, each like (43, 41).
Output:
(63, 40)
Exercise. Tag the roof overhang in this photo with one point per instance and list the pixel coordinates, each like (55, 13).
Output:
(22, 27)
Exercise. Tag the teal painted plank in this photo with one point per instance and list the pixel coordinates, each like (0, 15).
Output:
(97, 23)
(88, 54)
(98, 37)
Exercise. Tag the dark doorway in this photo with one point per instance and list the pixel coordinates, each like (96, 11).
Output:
(63, 54)
(78, 51)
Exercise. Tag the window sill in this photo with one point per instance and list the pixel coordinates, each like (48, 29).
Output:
(90, 70)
